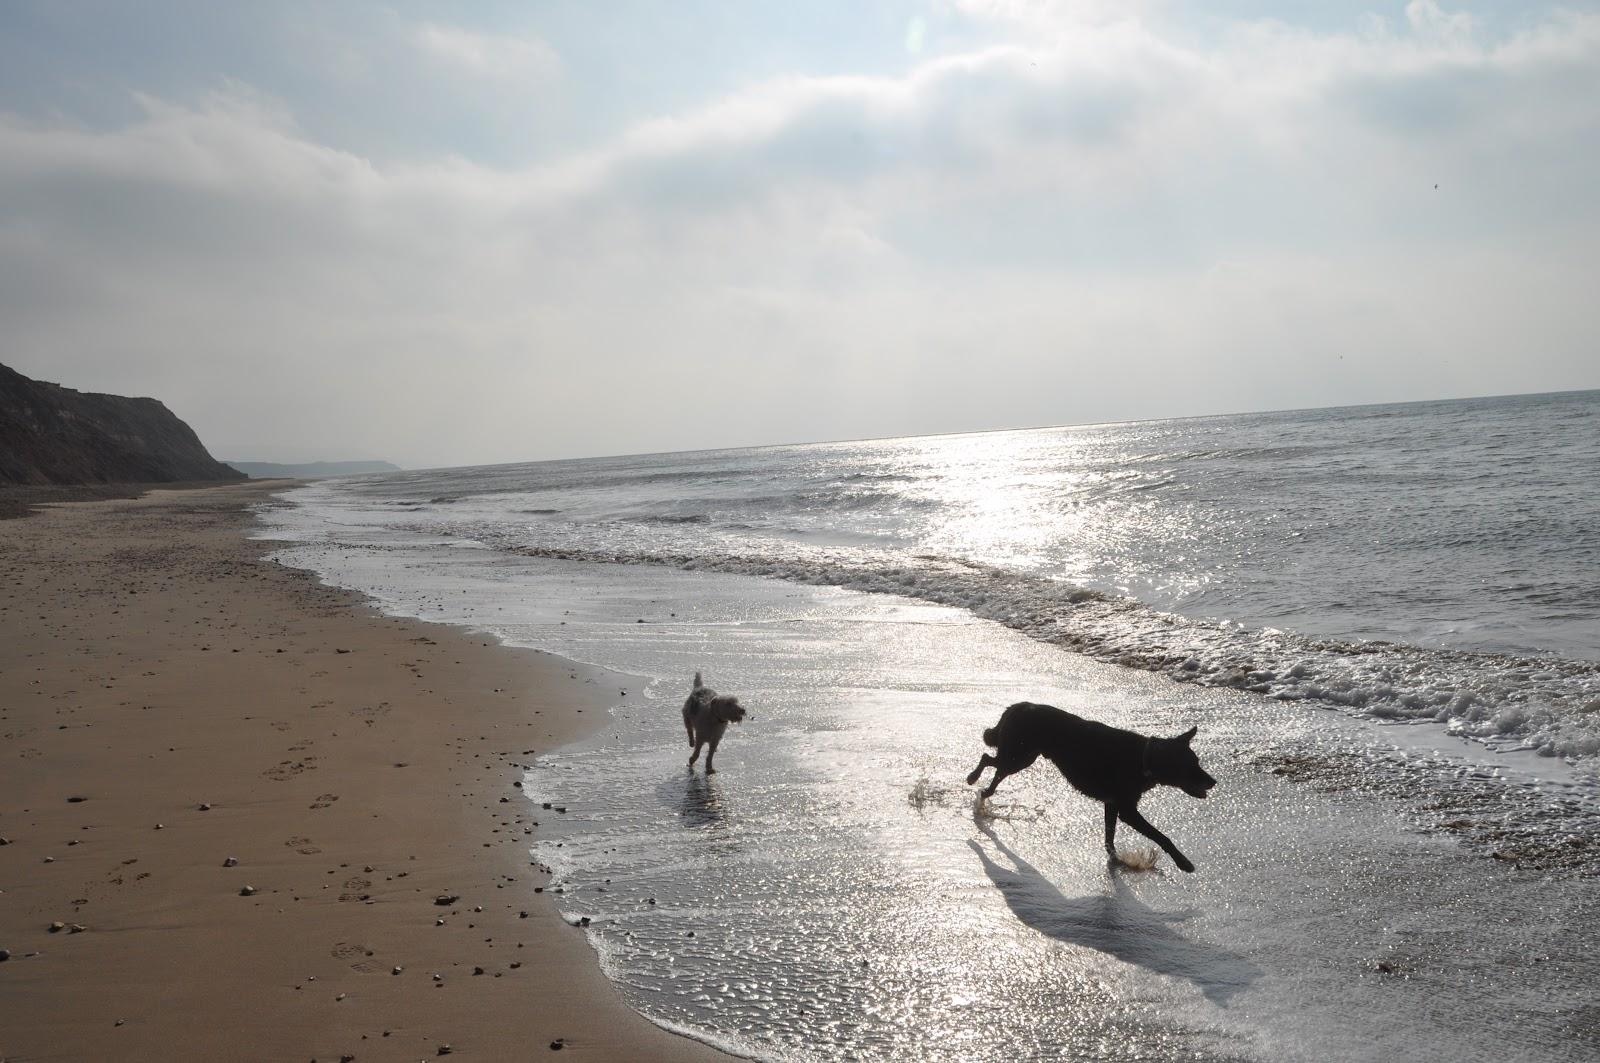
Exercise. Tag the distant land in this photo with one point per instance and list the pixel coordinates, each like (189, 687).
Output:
(50, 434)
(271, 470)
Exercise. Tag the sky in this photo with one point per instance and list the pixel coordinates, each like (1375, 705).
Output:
(446, 234)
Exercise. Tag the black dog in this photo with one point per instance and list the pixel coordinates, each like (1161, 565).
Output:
(1102, 762)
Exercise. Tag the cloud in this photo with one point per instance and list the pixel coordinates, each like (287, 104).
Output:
(499, 57)
(1110, 223)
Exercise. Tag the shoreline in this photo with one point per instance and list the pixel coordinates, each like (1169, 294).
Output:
(170, 700)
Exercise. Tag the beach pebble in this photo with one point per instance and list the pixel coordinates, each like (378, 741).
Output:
(477, 970)
(57, 927)
(557, 1045)
(5, 954)
(76, 800)
(445, 899)
(445, 1050)
(203, 807)
(76, 928)
(231, 862)
(397, 969)
(247, 891)
(438, 922)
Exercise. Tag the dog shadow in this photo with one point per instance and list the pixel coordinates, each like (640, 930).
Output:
(1114, 923)
(696, 798)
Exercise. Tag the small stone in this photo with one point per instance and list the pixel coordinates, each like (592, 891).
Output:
(438, 922)
(339, 997)
(477, 907)
(446, 899)
(49, 859)
(57, 927)
(231, 861)
(205, 807)
(161, 826)
(438, 978)
(247, 891)
(5, 841)
(76, 800)
(76, 928)
(5, 954)
(557, 1045)
(445, 1050)
(119, 1022)
(477, 970)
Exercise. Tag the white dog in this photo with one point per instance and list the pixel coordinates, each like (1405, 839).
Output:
(706, 714)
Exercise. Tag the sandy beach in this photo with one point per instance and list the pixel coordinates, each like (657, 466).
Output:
(233, 801)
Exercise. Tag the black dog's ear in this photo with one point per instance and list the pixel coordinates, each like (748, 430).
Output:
(1188, 735)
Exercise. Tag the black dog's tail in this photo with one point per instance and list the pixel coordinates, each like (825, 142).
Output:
(992, 735)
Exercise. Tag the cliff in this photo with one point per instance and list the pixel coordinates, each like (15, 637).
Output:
(55, 435)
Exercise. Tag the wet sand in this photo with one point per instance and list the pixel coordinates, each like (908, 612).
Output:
(171, 704)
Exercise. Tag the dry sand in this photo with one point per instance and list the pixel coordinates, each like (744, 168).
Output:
(170, 700)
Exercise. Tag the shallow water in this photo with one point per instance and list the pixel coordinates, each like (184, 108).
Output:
(831, 893)
(1384, 622)
(1435, 562)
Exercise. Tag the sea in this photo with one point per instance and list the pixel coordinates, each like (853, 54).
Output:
(1383, 620)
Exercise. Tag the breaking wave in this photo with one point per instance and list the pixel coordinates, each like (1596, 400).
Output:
(1547, 705)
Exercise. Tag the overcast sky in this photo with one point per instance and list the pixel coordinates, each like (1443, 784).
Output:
(457, 233)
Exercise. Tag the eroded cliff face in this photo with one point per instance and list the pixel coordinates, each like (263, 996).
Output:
(55, 435)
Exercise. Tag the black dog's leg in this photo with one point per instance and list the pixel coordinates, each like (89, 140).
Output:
(1005, 766)
(984, 763)
(1111, 829)
(711, 752)
(695, 755)
(1131, 817)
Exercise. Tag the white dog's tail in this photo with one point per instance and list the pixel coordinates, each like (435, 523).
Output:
(697, 683)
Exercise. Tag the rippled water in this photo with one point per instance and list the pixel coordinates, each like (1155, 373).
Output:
(1427, 561)
(1365, 891)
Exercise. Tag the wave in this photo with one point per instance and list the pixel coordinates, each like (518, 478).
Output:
(1547, 705)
